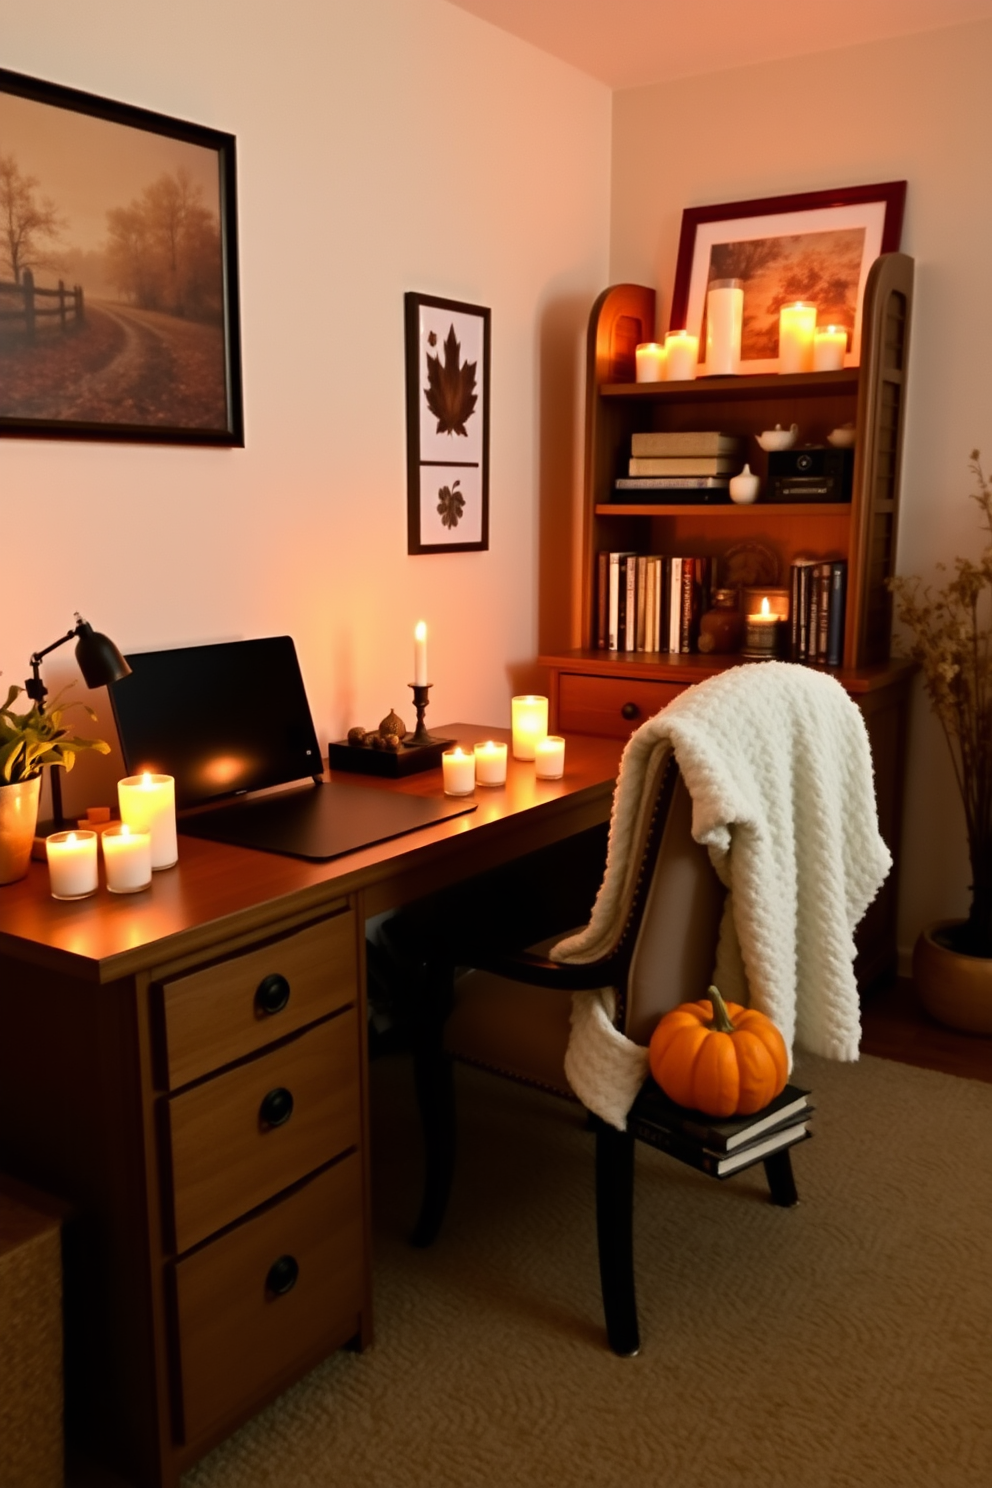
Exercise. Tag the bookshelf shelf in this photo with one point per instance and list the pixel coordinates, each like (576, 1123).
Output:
(763, 511)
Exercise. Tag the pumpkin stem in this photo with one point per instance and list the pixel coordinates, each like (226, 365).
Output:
(721, 1018)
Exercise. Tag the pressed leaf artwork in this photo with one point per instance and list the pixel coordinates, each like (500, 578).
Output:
(450, 504)
(450, 392)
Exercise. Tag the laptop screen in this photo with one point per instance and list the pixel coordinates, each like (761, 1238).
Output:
(222, 719)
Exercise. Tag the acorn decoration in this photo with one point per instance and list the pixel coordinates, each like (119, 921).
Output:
(357, 737)
(392, 724)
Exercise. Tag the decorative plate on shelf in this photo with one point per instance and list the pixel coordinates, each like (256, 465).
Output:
(749, 565)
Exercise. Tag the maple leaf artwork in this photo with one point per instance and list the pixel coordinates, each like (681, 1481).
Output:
(450, 505)
(450, 392)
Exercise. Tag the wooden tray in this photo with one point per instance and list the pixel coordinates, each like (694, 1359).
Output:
(364, 760)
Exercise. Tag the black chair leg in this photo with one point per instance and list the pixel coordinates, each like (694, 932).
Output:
(434, 1084)
(781, 1183)
(615, 1231)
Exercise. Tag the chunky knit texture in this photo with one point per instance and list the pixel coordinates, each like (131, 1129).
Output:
(777, 762)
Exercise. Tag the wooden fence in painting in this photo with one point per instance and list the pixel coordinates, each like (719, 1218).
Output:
(32, 304)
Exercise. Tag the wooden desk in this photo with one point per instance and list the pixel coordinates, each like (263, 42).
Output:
(220, 1251)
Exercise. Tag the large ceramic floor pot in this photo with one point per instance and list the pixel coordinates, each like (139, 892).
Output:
(18, 819)
(955, 989)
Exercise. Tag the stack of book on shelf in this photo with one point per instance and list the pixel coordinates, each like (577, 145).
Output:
(719, 1147)
(680, 466)
(650, 602)
(817, 601)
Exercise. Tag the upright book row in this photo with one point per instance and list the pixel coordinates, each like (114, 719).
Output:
(650, 602)
(817, 601)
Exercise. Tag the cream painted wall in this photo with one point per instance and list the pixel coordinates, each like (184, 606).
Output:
(913, 108)
(383, 146)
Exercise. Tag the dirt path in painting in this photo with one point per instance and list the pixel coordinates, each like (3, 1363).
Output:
(162, 372)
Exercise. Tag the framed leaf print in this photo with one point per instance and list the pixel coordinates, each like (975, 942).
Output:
(447, 425)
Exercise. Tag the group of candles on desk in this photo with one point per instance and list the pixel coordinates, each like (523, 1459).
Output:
(143, 841)
(486, 764)
(803, 346)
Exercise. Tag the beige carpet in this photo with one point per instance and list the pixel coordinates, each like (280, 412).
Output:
(846, 1343)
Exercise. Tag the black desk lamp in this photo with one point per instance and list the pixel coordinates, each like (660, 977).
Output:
(100, 663)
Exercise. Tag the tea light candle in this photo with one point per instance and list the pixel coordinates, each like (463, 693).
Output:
(796, 325)
(649, 358)
(148, 804)
(681, 356)
(71, 864)
(490, 763)
(829, 347)
(127, 858)
(420, 654)
(529, 723)
(458, 770)
(549, 758)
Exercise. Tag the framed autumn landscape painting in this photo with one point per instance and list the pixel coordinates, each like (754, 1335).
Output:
(447, 425)
(119, 311)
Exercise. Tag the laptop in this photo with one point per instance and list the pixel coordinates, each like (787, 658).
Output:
(230, 722)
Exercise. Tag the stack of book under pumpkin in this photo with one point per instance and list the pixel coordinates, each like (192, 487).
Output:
(714, 1146)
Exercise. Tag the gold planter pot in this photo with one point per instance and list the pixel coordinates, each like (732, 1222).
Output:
(954, 989)
(18, 820)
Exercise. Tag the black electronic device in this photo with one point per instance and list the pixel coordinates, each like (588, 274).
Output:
(230, 722)
(810, 473)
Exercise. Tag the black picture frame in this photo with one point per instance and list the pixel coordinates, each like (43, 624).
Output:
(447, 399)
(161, 363)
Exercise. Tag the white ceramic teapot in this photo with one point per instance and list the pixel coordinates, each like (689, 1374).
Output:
(778, 438)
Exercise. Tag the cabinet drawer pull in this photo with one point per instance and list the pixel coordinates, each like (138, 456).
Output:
(282, 1275)
(276, 1107)
(272, 994)
(630, 711)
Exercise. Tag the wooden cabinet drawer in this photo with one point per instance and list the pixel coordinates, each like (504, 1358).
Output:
(233, 1145)
(222, 1012)
(613, 706)
(239, 1335)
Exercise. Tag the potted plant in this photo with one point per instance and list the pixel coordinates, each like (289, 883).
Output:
(951, 630)
(28, 742)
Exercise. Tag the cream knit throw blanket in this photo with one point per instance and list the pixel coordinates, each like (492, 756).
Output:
(777, 763)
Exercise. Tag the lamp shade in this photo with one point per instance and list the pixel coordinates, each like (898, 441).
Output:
(99, 659)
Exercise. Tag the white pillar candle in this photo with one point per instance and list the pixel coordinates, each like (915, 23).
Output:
(71, 864)
(148, 804)
(829, 348)
(724, 323)
(127, 858)
(529, 723)
(550, 758)
(458, 770)
(649, 359)
(490, 763)
(681, 356)
(420, 654)
(796, 325)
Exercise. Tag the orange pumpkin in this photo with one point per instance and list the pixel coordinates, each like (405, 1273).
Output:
(718, 1057)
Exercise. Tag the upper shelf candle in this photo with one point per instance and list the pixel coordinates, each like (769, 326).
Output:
(649, 358)
(796, 327)
(681, 356)
(829, 347)
(420, 655)
(148, 804)
(724, 324)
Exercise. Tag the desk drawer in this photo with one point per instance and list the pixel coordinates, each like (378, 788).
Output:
(221, 1012)
(237, 1140)
(612, 706)
(239, 1333)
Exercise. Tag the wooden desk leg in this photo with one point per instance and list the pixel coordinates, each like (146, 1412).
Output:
(615, 1232)
(781, 1183)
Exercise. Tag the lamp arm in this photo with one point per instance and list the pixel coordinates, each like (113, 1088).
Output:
(34, 687)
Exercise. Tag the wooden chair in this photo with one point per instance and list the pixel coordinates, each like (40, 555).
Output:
(510, 1014)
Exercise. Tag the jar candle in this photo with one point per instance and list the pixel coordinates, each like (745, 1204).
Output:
(148, 804)
(829, 348)
(490, 763)
(458, 769)
(529, 723)
(681, 356)
(763, 633)
(649, 358)
(127, 858)
(72, 870)
(796, 325)
(724, 323)
(549, 758)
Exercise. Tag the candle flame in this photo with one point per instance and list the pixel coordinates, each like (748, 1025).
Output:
(766, 608)
(125, 830)
(146, 779)
(71, 838)
(420, 631)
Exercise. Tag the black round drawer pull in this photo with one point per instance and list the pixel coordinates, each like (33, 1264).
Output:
(272, 994)
(277, 1107)
(630, 711)
(282, 1275)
